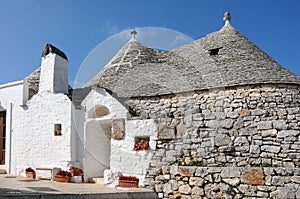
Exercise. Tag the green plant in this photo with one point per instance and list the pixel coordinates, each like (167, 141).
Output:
(195, 163)
(296, 163)
(265, 164)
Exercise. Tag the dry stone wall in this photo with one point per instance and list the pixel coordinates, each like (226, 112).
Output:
(242, 127)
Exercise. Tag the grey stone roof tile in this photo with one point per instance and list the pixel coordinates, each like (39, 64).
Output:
(138, 71)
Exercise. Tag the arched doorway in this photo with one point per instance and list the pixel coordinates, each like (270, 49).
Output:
(97, 142)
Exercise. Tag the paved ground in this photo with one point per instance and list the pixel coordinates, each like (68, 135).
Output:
(20, 187)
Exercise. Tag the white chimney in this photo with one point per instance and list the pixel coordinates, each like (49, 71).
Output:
(54, 71)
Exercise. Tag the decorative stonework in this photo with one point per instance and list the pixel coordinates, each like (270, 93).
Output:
(118, 129)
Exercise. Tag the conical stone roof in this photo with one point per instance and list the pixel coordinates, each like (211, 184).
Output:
(220, 59)
(238, 61)
(137, 70)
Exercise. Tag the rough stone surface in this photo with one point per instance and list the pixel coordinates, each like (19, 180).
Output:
(185, 189)
(253, 177)
(186, 171)
(257, 139)
(166, 133)
(118, 129)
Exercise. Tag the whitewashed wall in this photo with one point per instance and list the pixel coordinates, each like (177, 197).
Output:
(123, 158)
(34, 143)
(127, 161)
(78, 119)
(97, 132)
(54, 74)
(101, 97)
(11, 98)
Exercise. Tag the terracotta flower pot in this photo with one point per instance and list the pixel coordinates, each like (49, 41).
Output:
(59, 178)
(30, 174)
(129, 183)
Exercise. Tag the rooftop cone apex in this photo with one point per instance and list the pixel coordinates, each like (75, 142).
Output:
(227, 17)
(133, 33)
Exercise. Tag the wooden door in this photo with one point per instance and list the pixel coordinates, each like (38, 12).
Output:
(2, 136)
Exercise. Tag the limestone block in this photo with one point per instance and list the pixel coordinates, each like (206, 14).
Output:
(262, 194)
(197, 181)
(226, 149)
(264, 125)
(247, 190)
(229, 172)
(198, 116)
(269, 133)
(197, 191)
(227, 123)
(166, 133)
(222, 140)
(158, 188)
(271, 149)
(288, 191)
(185, 189)
(201, 172)
(118, 128)
(241, 143)
(174, 170)
(217, 190)
(278, 180)
(186, 197)
(248, 131)
(253, 177)
(232, 181)
(167, 188)
(244, 113)
(293, 110)
(280, 124)
(295, 179)
(232, 115)
(174, 185)
(255, 149)
(213, 123)
(181, 130)
(258, 112)
(187, 170)
(287, 133)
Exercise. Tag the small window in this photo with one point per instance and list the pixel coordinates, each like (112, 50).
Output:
(141, 143)
(214, 51)
(57, 129)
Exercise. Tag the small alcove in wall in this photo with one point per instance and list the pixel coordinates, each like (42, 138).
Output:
(99, 111)
(57, 129)
(141, 143)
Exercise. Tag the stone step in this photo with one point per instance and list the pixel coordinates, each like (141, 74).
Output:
(97, 180)
(2, 171)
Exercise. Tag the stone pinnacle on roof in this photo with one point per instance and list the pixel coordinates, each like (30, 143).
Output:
(133, 33)
(227, 17)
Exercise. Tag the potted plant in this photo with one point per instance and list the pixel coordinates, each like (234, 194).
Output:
(142, 145)
(77, 174)
(30, 173)
(128, 181)
(62, 176)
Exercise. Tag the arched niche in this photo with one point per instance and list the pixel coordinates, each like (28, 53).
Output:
(99, 111)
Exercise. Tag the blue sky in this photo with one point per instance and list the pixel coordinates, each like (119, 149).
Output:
(77, 27)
